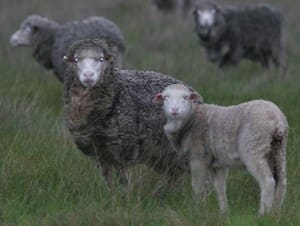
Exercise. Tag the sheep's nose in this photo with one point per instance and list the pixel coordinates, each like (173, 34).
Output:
(13, 41)
(174, 110)
(88, 74)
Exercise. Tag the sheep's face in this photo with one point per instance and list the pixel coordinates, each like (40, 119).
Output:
(205, 19)
(90, 65)
(22, 37)
(177, 101)
(28, 29)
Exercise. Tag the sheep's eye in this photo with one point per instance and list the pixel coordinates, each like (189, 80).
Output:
(186, 97)
(166, 98)
(101, 59)
(75, 59)
(28, 28)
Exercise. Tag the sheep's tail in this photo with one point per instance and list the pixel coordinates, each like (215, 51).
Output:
(279, 160)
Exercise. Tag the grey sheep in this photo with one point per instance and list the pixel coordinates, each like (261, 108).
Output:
(110, 115)
(230, 34)
(251, 135)
(49, 40)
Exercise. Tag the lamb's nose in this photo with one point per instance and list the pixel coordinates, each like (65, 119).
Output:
(88, 74)
(174, 110)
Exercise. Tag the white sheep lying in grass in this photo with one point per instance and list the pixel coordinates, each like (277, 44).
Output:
(252, 135)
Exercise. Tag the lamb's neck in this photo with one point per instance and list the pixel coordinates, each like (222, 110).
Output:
(177, 129)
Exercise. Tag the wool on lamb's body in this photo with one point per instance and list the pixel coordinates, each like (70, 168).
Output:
(112, 117)
(230, 34)
(251, 135)
(50, 40)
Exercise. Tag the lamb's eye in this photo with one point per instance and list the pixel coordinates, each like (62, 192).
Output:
(186, 97)
(75, 59)
(166, 98)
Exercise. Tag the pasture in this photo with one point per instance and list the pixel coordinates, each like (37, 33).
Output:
(45, 180)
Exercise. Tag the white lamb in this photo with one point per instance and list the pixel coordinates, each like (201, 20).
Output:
(252, 135)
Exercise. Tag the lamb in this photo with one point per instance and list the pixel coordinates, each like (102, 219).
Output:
(110, 115)
(49, 40)
(230, 34)
(252, 135)
(172, 5)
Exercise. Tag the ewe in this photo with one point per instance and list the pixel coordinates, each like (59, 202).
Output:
(49, 40)
(110, 114)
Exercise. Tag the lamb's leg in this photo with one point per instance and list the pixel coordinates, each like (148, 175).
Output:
(199, 173)
(260, 170)
(219, 176)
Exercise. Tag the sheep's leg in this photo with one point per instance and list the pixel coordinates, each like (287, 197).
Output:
(219, 176)
(107, 174)
(260, 170)
(279, 60)
(122, 174)
(236, 55)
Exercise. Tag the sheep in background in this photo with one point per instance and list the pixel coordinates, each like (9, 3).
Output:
(110, 115)
(172, 5)
(252, 135)
(230, 34)
(49, 40)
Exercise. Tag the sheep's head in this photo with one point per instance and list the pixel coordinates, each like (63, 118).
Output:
(90, 59)
(207, 16)
(31, 31)
(178, 101)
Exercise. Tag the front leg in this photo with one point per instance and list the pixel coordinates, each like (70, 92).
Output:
(199, 172)
(219, 176)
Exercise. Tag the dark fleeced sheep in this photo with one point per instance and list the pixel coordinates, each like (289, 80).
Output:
(230, 34)
(110, 113)
(49, 40)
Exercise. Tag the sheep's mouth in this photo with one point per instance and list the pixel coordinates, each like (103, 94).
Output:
(88, 82)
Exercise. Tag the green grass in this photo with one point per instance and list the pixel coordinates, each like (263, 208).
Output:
(45, 180)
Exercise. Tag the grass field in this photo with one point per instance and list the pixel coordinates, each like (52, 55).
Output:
(45, 180)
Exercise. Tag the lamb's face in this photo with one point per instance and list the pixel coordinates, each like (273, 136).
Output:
(90, 65)
(29, 28)
(177, 101)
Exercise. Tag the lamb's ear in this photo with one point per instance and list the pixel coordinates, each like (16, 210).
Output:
(158, 98)
(196, 98)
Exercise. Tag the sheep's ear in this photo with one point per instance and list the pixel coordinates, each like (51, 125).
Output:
(196, 11)
(158, 98)
(196, 98)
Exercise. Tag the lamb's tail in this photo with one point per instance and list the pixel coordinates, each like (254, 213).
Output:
(279, 144)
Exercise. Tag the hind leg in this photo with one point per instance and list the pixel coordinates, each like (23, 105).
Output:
(280, 169)
(260, 170)
(279, 60)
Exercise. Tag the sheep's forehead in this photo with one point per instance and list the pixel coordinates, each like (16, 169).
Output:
(89, 53)
(32, 20)
(206, 16)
